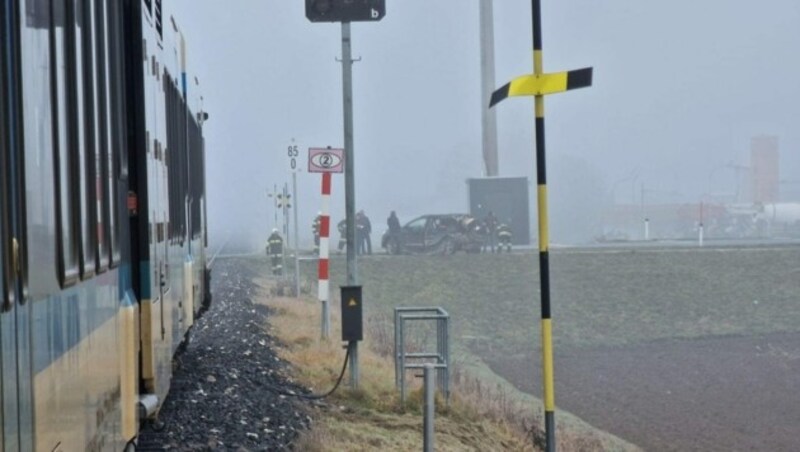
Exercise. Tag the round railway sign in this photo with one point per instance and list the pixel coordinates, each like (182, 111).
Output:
(325, 160)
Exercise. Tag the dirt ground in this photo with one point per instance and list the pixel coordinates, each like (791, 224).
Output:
(670, 348)
(730, 393)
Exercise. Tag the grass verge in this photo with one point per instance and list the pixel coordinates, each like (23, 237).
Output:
(485, 413)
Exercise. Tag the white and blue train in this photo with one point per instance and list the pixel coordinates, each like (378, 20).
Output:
(102, 218)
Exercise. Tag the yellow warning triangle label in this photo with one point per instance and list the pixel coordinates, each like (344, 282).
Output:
(352, 302)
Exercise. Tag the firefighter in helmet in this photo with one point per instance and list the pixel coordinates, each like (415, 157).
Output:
(503, 237)
(275, 252)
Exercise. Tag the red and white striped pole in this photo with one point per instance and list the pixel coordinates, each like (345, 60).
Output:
(324, 253)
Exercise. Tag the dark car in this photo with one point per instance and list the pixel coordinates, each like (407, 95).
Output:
(436, 234)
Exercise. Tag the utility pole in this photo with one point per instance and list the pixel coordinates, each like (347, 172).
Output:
(296, 239)
(538, 85)
(349, 184)
(488, 116)
(293, 152)
(346, 12)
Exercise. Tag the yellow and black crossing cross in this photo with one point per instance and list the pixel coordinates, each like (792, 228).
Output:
(542, 84)
(538, 85)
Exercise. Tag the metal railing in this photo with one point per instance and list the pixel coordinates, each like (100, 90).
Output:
(440, 359)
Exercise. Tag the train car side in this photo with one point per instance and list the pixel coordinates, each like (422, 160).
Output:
(101, 251)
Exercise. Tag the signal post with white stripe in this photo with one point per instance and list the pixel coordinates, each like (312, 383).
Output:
(323, 291)
(538, 85)
(325, 161)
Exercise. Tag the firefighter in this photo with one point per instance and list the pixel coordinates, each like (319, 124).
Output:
(315, 228)
(503, 237)
(342, 227)
(363, 232)
(395, 243)
(490, 223)
(275, 252)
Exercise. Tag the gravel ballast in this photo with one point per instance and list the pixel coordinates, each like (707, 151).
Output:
(228, 385)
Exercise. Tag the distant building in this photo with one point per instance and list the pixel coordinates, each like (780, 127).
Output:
(507, 199)
(764, 169)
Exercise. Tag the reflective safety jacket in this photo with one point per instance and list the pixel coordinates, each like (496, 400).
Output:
(275, 244)
(504, 231)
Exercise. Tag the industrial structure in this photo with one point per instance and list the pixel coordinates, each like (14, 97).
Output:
(759, 210)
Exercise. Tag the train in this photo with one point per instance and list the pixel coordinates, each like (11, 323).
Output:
(103, 224)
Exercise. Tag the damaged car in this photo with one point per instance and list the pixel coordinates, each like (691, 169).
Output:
(436, 234)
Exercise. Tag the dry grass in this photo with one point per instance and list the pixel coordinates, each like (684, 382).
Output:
(481, 416)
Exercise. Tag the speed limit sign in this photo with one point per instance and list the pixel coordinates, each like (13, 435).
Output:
(325, 160)
(293, 152)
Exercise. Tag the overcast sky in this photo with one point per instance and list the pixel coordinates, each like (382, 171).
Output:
(679, 90)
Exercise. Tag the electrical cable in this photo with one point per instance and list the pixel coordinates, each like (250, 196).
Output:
(315, 396)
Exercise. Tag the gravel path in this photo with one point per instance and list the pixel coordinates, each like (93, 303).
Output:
(225, 389)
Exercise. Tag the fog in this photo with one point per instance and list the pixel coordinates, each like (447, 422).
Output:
(679, 90)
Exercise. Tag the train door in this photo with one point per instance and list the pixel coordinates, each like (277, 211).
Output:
(15, 332)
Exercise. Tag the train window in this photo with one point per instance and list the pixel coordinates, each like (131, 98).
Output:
(84, 124)
(98, 89)
(106, 241)
(67, 225)
(196, 177)
(39, 233)
(159, 22)
(4, 206)
(118, 158)
(170, 151)
(62, 64)
(176, 159)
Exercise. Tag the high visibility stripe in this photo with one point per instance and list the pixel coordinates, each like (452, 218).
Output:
(538, 64)
(326, 183)
(325, 226)
(536, 22)
(324, 247)
(541, 163)
(499, 95)
(324, 240)
(326, 204)
(323, 290)
(539, 107)
(544, 287)
(323, 269)
(547, 365)
(550, 430)
(544, 235)
(579, 78)
(543, 84)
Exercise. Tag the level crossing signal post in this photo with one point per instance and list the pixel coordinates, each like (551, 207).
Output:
(284, 200)
(346, 11)
(325, 161)
(538, 85)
